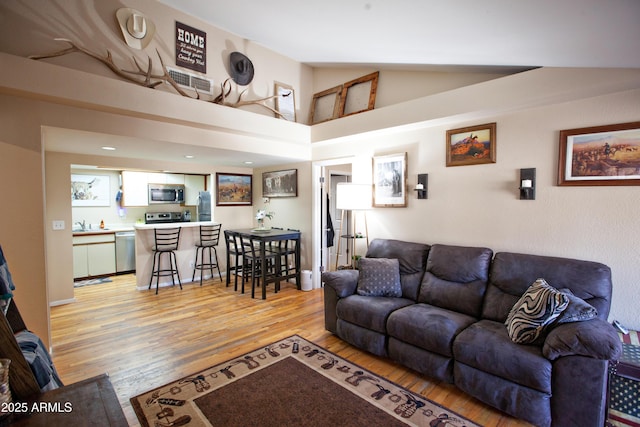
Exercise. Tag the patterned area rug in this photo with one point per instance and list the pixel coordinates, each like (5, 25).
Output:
(290, 382)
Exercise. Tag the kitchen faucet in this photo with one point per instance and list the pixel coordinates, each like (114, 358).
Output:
(82, 225)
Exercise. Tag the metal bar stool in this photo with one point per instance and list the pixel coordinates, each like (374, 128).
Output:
(209, 238)
(166, 242)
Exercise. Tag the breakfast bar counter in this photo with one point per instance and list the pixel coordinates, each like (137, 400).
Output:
(145, 240)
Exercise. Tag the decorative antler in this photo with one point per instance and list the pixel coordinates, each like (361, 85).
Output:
(108, 61)
(221, 99)
(152, 80)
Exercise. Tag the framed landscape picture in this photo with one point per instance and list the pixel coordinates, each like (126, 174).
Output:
(600, 155)
(234, 189)
(390, 181)
(280, 183)
(473, 145)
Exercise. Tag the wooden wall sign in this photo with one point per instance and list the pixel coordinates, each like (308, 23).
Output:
(191, 48)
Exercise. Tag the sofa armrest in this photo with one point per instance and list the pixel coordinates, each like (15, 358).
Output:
(592, 338)
(337, 284)
(344, 282)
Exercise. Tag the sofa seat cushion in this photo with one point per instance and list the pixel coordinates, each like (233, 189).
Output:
(486, 346)
(369, 312)
(428, 327)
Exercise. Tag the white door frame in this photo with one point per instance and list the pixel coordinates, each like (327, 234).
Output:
(318, 221)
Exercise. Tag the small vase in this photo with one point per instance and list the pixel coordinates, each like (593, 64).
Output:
(261, 225)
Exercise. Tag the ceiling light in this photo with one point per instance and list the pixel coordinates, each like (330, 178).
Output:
(248, 163)
(106, 147)
(188, 156)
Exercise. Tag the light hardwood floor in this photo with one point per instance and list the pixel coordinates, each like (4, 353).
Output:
(143, 340)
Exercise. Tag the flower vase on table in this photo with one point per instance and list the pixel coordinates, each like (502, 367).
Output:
(260, 217)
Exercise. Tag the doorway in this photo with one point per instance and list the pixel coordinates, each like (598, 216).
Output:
(323, 175)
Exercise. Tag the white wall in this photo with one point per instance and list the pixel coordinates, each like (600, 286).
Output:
(479, 205)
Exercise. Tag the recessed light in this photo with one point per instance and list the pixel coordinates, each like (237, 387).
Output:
(108, 148)
(188, 156)
(248, 163)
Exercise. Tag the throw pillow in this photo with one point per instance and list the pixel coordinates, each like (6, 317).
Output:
(379, 277)
(577, 310)
(540, 306)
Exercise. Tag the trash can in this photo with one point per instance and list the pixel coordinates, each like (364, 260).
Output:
(305, 276)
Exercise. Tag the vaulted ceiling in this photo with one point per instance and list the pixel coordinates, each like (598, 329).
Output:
(434, 33)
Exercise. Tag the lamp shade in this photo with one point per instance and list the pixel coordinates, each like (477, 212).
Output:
(353, 196)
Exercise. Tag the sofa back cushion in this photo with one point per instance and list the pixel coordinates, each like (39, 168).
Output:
(512, 274)
(412, 259)
(456, 278)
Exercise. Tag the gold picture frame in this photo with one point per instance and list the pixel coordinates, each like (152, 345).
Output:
(472, 145)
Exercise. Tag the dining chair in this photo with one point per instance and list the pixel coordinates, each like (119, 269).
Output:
(235, 253)
(252, 255)
(286, 249)
(209, 239)
(166, 243)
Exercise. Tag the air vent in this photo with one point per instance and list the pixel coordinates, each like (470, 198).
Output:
(191, 81)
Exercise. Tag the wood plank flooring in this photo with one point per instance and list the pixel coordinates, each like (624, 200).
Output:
(143, 340)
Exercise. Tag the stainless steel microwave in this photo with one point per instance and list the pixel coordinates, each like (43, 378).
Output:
(166, 193)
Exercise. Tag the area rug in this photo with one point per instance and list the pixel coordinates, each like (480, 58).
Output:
(88, 282)
(290, 382)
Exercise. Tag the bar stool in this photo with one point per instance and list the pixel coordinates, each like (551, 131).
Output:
(209, 238)
(166, 242)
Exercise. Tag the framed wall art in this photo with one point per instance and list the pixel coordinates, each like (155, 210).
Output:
(473, 145)
(90, 190)
(234, 189)
(285, 101)
(325, 105)
(280, 183)
(390, 181)
(600, 155)
(359, 95)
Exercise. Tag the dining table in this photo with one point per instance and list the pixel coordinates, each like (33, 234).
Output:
(270, 235)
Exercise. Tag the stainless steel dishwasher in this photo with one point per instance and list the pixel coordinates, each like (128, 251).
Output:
(125, 251)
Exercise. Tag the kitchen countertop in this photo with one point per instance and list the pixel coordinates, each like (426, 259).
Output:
(108, 230)
(173, 224)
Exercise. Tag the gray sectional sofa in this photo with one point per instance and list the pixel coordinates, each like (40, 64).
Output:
(445, 314)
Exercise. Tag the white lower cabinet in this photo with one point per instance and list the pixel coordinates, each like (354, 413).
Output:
(94, 255)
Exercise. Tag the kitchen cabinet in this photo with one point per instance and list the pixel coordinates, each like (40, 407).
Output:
(94, 255)
(135, 188)
(193, 184)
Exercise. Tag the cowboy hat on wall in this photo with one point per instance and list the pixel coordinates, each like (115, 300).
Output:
(136, 28)
(241, 68)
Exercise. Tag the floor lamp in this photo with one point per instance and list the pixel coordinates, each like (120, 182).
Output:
(354, 198)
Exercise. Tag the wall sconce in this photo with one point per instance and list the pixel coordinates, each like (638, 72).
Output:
(528, 184)
(421, 186)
